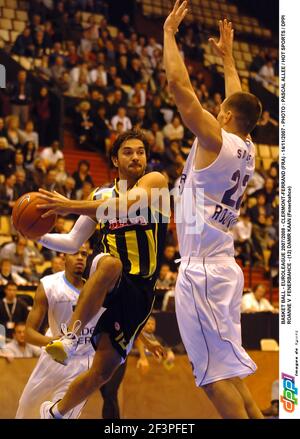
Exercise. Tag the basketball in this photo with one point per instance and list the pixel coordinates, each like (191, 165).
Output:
(28, 220)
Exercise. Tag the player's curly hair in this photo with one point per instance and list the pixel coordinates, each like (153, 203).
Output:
(127, 135)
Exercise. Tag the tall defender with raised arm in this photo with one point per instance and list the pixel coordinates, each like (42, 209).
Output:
(210, 283)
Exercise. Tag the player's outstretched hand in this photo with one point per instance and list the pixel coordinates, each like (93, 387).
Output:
(176, 16)
(56, 203)
(224, 46)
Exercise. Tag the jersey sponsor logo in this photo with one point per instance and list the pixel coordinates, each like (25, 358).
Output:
(86, 335)
(224, 216)
(117, 326)
(125, 222)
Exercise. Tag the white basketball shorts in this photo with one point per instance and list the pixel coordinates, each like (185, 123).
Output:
(49, 381)
(208, 302)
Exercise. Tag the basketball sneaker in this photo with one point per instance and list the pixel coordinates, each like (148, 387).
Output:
(46, 410)
(61, 350)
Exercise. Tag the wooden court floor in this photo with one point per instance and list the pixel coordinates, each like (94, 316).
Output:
(157, 394)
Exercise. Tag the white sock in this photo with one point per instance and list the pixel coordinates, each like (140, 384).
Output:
(55, 412)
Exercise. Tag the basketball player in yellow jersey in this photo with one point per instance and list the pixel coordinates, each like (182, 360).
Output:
(124, 274)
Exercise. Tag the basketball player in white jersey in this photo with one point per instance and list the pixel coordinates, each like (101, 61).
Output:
(210, 283)
(56, 296)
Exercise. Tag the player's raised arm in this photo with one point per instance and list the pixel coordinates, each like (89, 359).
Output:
(144, 191)
(224, 49)
(196, 118)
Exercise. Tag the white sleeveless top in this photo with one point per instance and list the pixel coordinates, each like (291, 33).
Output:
(62, 299)
(207, 233)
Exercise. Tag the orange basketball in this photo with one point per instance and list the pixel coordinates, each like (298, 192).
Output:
(28, 220)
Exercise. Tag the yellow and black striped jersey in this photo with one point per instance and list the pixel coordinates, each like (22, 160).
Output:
(138, 242)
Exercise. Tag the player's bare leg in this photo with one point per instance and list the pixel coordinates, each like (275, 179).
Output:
(106, 361)
(227, 399)
(91, 299)
(92, 295)
(250, 405)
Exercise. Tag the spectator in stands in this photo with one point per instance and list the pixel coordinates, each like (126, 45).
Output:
(58, 69)
(28, 134)
(110, 105)
(118, 86)
(259, 208)
(100, 75)
(84, 125)
(64, 83)
(149, 332)
(43, 70)
(169, 257)
(125, 25)
(138, 94)
(273, 173)
(102, 129)
(258, 61)
(270, 191)
(154, 111)
(79, 89)
(242, 233)
(68, 188)
(12, 309)
(59, 226)
(158, 134)
(13, 134)
(266, 74)
(7, 274)
(166, 278)
(82, 174)
(76, 28)
(256, 301)
(266, 130)
(20, 97)
(57, 264)
(29, 153)
(6, 157)
(23, 44)
(61, 173)
(256, 183)
(85, 191)
(19, 167)
(18, 347)
(134, 71)
(43, 114)
(51, 154)
(50, 183)
(72, 58)
(8, 195)
(90, 34)
(56, 52)
(39, 171)
(122, 118)
(23, 184)
(41, 43)
(80, 69)
(174, 130)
